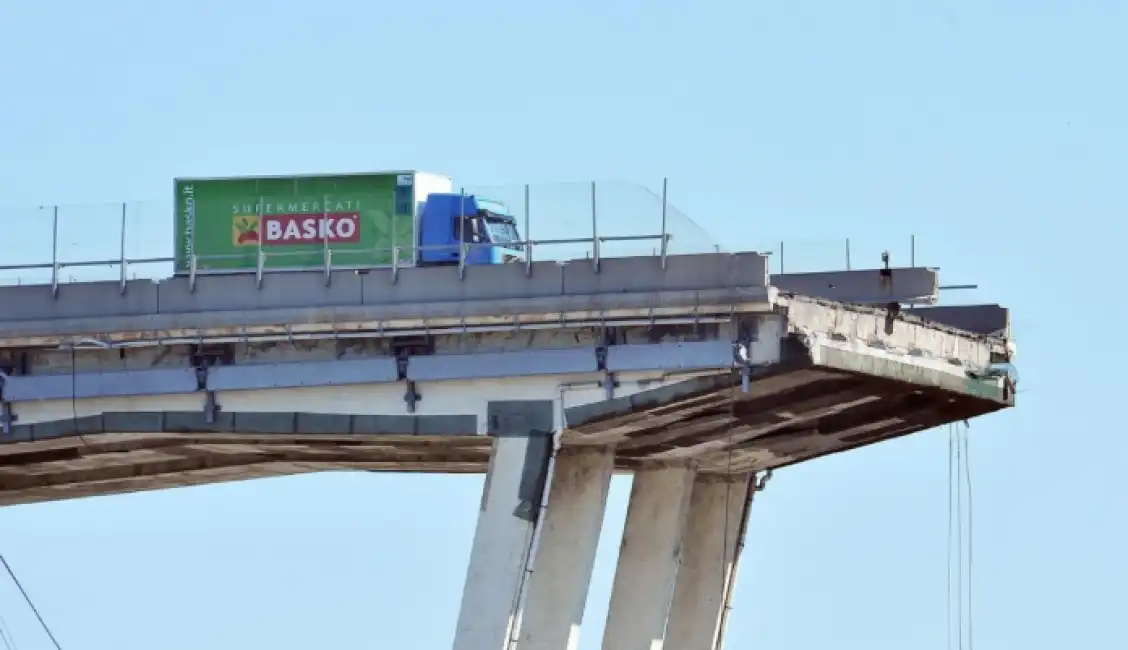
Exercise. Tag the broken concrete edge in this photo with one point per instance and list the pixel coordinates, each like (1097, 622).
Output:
(892, 329)
(918, 285)
(990, 320)
(798, 352)
(386, 320)
(926, 373)
(913, 315)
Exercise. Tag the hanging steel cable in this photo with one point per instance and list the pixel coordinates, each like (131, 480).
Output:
(27, 598)
(960, 540)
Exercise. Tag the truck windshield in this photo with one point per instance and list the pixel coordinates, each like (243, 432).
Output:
(501, 229)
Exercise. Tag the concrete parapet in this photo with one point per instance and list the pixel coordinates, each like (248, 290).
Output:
(868, 287)
(295, 298)
(988, 320)
(83, 300)
(682, 273)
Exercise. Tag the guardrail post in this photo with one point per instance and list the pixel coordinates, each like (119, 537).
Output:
(528, 239)
(55, 251)
(461, 231)
(594, 232)
(665, 238)
(260, 262)
(325, 238)
(121, 262)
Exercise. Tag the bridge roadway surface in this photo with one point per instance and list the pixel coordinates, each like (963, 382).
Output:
(112, 388)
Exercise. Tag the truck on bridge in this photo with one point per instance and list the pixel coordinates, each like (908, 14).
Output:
(363, 220)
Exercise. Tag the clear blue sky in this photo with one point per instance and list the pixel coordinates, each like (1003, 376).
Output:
(994, 130)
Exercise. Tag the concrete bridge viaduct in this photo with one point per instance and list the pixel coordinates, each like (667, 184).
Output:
(698, 374)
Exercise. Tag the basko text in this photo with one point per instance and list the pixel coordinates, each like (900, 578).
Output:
(306, 229)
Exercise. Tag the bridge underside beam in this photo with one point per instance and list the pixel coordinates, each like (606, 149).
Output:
(791, 412)
(829, 389)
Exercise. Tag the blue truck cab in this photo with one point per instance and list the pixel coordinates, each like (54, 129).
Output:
(449, 219)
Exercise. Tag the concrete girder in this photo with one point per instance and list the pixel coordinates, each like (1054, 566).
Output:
(918, 374)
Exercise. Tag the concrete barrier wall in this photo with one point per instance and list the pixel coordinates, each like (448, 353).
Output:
(980, 319)
(242, 292)
(867, 287)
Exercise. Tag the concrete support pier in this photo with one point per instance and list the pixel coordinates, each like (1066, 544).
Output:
(510, 504)
(649, 558)
(565, 557)
(713, 534)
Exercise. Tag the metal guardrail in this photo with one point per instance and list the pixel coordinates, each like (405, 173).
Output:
(123, 261)
(551, 214)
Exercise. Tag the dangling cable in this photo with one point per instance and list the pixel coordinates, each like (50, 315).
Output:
(970, 537)
(725, 562)
(6, 635)
(959, 540)
(951, 486)
(729, 563)
(30, 604)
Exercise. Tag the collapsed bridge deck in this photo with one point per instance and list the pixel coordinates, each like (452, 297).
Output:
(109, 388)
(822, 378)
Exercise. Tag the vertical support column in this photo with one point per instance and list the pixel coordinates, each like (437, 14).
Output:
(511, 500)
(649, 558)
(558, 586)
(714, 532)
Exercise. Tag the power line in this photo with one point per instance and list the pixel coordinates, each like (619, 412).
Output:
(30, 604)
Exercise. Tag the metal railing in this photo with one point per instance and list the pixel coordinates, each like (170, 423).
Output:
(562, 221)
(77, 233)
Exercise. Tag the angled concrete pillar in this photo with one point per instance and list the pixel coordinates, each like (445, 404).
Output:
(511, 502)
(558, 586)
(714, 531)
(649, 558)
